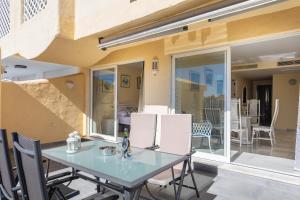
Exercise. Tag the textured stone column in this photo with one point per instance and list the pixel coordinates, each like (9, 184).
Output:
(297, 157)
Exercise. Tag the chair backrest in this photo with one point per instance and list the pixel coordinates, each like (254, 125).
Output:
(30, 167)
(176, 133)
(7, 178)
(236, 114)
(253, 107)
(275, 115)
(142, 130)
(202, 129)
(214, 116)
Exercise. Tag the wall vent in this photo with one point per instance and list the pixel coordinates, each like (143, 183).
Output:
(241, 67)
(289, 62)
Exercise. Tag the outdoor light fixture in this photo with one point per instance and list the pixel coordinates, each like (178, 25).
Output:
(155, 66)
(182, 25)
(70, 84)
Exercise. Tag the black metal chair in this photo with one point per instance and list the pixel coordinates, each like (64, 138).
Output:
(33, 183)
(8, 188)
(30, 170)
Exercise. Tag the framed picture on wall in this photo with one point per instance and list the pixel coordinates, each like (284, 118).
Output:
(209, 76)
(195, 81)
(138, 82)
(107, 83)
(125, 81)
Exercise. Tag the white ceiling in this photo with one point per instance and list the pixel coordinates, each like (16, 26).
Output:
(272, 50)
(275, 50)
(34, 70)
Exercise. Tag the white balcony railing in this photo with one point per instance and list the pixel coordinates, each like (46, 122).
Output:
(4, 17)
(33, 7)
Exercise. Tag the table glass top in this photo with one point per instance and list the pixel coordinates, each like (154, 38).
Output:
(140, 164)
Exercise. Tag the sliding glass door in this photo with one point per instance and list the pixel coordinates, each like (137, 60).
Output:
(200, 88)
(103, 111)
(117, 91)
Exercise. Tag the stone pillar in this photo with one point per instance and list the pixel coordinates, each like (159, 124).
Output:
(297, 150)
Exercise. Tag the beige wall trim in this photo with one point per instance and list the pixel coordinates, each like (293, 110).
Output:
(268, 37)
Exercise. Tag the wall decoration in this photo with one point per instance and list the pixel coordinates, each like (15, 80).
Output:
(292, 81)
(107, 83)
(209, 76)
(125, 81)
(195, 81)
(233, 88)
(138, 82)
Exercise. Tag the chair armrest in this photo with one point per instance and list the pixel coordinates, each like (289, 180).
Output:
(61, 181)
(57, 176)
(154, 147)
(15, 189)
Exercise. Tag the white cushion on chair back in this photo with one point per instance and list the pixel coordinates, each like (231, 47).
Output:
(236, 114)
(176, 132)
(142, 130)
(253, 107)
(275, 115)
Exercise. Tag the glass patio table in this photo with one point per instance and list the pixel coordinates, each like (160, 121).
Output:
(130, 173)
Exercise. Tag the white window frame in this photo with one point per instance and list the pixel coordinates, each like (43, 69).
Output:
(116, 123)
(227, 92)
(91, 133)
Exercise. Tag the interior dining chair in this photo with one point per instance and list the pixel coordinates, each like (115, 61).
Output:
(8, 187)
(267, 129)
(236, 121)
(143, 129)
(253, 111)
(178, 127)
(202, 130)
(215, 116)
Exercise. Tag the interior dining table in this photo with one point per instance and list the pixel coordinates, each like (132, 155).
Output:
(125, 176)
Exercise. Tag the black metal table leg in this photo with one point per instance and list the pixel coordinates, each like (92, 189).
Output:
(193, 178)
(98, 185)
(174, 182)
(181, 180)
(128, 195)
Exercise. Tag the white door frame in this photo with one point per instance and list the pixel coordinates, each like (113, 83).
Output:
(116, 123)
(116, 82)
(227, 92)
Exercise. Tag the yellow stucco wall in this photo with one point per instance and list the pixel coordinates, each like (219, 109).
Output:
(288, 96)
(157, 88)
(46, 110)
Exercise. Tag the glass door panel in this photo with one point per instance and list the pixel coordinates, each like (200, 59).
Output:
(103, 103)
(199, 86)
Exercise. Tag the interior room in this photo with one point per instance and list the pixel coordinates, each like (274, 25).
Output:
(264, 105)
(199, 89)
(130, 94)
(117, 92)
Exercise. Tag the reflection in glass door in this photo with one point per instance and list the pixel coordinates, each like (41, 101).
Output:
(103, 103)
(199, 89)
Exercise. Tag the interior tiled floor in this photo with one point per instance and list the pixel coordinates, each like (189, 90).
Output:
(284, 147)
(279, 158)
